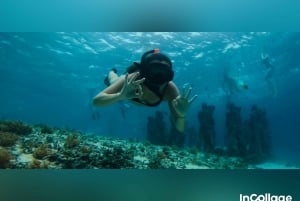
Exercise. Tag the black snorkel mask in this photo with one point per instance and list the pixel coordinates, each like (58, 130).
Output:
(156, 68)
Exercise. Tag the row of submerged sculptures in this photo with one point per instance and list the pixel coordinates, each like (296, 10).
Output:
(249, 139)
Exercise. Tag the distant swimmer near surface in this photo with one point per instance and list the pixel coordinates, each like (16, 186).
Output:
(269, 73)
(232, 85)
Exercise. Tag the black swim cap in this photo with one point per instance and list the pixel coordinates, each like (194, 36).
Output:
(156, 67)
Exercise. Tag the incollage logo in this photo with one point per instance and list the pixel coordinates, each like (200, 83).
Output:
(265, 197)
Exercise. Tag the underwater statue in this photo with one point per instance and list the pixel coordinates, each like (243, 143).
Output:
(156, 129)
(234, 138)
(258, 135)
(207, 128)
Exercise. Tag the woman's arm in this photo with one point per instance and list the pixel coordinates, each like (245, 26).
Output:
(110, 95)
(127, 87)
(178, 105)
(179, 121)
(172, 93)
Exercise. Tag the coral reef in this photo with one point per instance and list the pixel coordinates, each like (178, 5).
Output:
(16, 127)
(116, 158)
(36, 164)
(46, 129)
(8, 139)
(72, 141)
(71, 149)
(207, 128)
(5, 158)
(42, 152)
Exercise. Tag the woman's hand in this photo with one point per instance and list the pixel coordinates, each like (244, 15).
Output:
(132, 88)
(182, 103)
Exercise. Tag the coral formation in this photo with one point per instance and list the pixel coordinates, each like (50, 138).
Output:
(16, 127)
(5, 158)
(36, 164)
(46, 129)
(70, 149)
(8, 139)
(42, 151)
(116, 158)
(72, 141)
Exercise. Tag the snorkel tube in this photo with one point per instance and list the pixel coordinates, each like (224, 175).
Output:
(147, 54)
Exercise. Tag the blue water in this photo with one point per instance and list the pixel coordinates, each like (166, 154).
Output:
(51, 78)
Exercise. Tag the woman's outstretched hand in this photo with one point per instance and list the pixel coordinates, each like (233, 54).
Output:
(132, 88)
(182, 103)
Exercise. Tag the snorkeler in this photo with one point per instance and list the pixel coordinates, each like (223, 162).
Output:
(270, 71)
(149, 83)
(232, 85)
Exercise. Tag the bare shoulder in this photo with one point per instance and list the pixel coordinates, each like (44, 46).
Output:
(171, 91)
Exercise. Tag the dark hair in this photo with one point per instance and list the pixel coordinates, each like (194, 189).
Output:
(154, 56)
(134, 67)
(156, 67)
